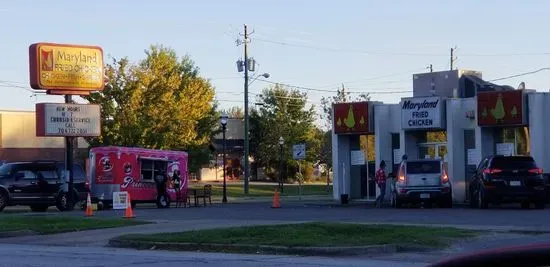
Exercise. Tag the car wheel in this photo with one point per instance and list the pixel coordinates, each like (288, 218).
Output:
(397, 203)
(525, 205)
(447, 203)
(62, 203)
(481, 201)
(39, 208)
(163, 202)
(473, 200)
(4, 199)
(540, 205)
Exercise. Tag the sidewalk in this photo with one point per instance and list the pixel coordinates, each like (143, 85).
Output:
(320, 198)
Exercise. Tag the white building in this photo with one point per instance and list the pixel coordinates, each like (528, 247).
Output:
(453, 115)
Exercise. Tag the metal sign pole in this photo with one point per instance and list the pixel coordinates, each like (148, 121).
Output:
(300, 180)
(69, 162)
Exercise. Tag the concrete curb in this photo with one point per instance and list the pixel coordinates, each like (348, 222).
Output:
(19, 233)
(264, 249)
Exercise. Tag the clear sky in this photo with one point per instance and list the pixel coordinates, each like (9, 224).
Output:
(370, 46)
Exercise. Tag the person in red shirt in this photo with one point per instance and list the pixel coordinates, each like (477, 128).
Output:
(381, 182)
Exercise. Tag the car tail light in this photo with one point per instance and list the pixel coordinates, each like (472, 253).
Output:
(401, 178)
(536, 171)
(444, 177)
(491, 171)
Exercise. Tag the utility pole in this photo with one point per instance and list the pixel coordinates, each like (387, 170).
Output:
(246, 137)
(452, 58)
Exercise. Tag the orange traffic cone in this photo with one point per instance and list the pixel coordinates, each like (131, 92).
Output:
(129, 213)
(276, 200)
(89, 209)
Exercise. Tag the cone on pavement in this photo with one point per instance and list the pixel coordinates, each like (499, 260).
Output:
(129, 213)
(89, 209)
(276, 200)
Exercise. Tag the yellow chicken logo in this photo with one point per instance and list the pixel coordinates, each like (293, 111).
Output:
(46, 58)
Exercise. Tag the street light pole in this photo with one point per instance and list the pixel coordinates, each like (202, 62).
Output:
(281, 142)
(223, 122)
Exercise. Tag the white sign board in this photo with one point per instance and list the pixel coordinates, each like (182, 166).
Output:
(120, 200)
(299, 151)
(422, 113)
(474, 156)
(505, 149)
(397, 156)
(58, 119)
(357, 157)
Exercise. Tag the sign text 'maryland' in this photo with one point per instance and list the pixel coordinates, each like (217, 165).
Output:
(66, 67)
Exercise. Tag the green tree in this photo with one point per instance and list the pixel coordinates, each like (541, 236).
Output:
(161, 103)
(234, 112)
(284, 113)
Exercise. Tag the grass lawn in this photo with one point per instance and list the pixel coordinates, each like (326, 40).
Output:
(59, 224)
(266, 190)
(316, 235)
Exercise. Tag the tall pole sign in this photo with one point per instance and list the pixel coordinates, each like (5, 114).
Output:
(64, 69)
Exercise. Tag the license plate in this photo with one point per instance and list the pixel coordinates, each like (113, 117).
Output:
(515, 183)
(423, 196)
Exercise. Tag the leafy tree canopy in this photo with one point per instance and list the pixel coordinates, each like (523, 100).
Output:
(161, 102)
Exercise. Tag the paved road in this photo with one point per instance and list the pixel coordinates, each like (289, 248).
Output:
(497, 217)
(181, 219)
(44, 256)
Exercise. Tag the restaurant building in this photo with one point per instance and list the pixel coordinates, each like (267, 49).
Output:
(18, 140)
(453, 115)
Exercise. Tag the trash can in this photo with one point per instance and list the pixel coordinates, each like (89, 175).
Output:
(344, 198)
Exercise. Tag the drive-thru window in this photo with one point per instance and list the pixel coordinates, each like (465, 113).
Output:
(423, 124)
(503, 121)
(353, 151)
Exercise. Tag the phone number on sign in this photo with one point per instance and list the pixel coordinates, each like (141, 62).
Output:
(72, 131)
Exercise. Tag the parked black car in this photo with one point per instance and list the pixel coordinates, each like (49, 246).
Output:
(505, 179)
(39, 185)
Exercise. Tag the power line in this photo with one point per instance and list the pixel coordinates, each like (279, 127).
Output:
(394, 53)
(334, 91)
(376, 77)
(345, 50)
(520, 74)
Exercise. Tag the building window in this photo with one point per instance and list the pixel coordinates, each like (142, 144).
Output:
(367, 144)
(519, 136)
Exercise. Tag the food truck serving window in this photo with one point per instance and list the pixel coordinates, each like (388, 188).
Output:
(151, 168)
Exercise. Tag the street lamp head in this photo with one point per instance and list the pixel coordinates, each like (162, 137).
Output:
(265, 75)
(281, 140)
(223, 119)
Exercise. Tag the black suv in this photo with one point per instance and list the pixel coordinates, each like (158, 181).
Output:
(501, 179)
(39, 185)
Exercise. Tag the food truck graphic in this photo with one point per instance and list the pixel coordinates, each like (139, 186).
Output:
(115, 169)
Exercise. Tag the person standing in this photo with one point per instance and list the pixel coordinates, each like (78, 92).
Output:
(381, 182)
(162, 197)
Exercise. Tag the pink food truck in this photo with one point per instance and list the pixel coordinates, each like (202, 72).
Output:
(138, 171)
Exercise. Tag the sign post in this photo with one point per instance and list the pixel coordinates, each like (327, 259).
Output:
(63, 69)
(299, 153)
